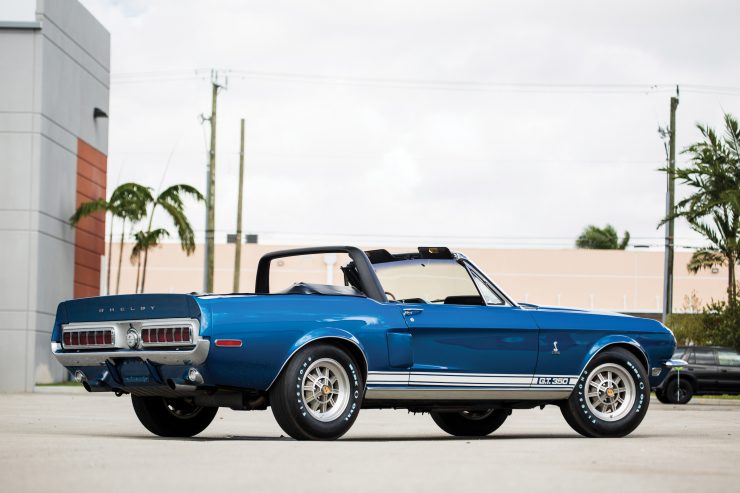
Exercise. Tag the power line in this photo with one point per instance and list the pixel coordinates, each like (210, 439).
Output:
(421, 83)
(634, 239)
(422, 159)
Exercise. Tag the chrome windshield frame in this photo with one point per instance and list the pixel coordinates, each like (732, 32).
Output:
(508, 300)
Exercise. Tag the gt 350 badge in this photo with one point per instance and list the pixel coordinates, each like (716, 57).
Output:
(552, 381)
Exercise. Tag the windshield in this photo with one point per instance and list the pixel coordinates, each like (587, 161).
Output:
(425, 280)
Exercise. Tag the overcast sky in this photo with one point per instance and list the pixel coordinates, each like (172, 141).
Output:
(466, 122)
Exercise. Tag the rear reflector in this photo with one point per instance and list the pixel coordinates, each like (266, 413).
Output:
(228, 342)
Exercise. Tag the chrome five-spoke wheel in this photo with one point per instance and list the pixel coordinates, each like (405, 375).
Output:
(325, 389)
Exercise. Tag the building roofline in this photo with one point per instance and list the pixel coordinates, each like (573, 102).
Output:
(31, 25)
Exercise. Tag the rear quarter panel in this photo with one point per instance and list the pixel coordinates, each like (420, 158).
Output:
(273, 327)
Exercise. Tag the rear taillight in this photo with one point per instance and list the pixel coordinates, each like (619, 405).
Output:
(87, 338)
(166, 336)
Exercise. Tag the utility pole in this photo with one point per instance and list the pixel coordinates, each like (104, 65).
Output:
(211, 187)
(670, 203)
(238, 254)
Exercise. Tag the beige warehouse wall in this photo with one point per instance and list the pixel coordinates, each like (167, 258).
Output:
(591, 279)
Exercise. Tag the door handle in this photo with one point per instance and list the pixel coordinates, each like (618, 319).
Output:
(408, 312)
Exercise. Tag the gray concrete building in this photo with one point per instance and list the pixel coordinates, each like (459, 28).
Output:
(54, 85)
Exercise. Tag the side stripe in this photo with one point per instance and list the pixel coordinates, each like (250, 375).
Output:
(450, 379)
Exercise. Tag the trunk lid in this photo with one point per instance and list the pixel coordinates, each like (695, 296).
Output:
(125, 307)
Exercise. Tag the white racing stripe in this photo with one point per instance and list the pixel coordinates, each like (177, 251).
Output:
(465, 379)
(456, 379)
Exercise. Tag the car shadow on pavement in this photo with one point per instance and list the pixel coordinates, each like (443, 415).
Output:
(359, 439)
(375, 439)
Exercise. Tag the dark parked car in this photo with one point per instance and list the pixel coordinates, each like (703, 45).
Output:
(710, 370)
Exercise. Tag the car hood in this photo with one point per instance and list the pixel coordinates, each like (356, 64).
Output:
(561, 318)
(532, 306)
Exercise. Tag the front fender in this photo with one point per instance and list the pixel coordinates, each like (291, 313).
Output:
(611, 340)
(316, 335)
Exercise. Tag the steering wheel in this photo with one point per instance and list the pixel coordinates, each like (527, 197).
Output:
(393, 296)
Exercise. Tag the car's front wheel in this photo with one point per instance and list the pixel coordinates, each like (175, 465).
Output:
(471, 423)
(172, 417)
(318, 394)
(679, 391)
(611, 397)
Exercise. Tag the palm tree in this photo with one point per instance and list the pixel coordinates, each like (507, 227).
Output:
(145, 240)
(171, 200)
(602, 238)
(128, 203)
(713, 207)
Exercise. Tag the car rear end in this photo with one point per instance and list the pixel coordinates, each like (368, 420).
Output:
(148, 344)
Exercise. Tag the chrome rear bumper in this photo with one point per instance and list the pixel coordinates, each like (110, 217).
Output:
(194, 356)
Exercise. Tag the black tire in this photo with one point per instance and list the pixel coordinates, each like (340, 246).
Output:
(619, 420)
(471, 423)
(679, 391)
(172, 417)
(660, 394)
(293, 407)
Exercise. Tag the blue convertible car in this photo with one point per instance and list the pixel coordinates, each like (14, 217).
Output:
(425, 331)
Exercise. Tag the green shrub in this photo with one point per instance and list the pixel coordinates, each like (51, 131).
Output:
(717, 325)
(689, 328)
(722, 323)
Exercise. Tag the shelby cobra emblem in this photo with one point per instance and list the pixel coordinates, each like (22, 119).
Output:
(427, 331)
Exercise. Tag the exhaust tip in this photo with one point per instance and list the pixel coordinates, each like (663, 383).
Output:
(194, 376)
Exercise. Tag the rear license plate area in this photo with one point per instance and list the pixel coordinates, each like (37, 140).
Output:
(135, 372)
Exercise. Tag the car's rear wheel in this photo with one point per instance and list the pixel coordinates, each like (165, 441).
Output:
(679, 391)
(611, 396)
(172, 417)
(318, 394)
(471, 423)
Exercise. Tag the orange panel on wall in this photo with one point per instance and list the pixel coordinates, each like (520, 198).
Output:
(90, 232)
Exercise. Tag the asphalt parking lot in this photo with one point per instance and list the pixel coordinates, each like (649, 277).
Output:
(66, 440)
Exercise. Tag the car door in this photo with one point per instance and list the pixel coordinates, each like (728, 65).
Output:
(729, 371)
(703, 367)
(464, 334)
(471, 347)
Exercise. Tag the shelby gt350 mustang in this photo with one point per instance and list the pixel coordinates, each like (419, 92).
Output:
(425, 331)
